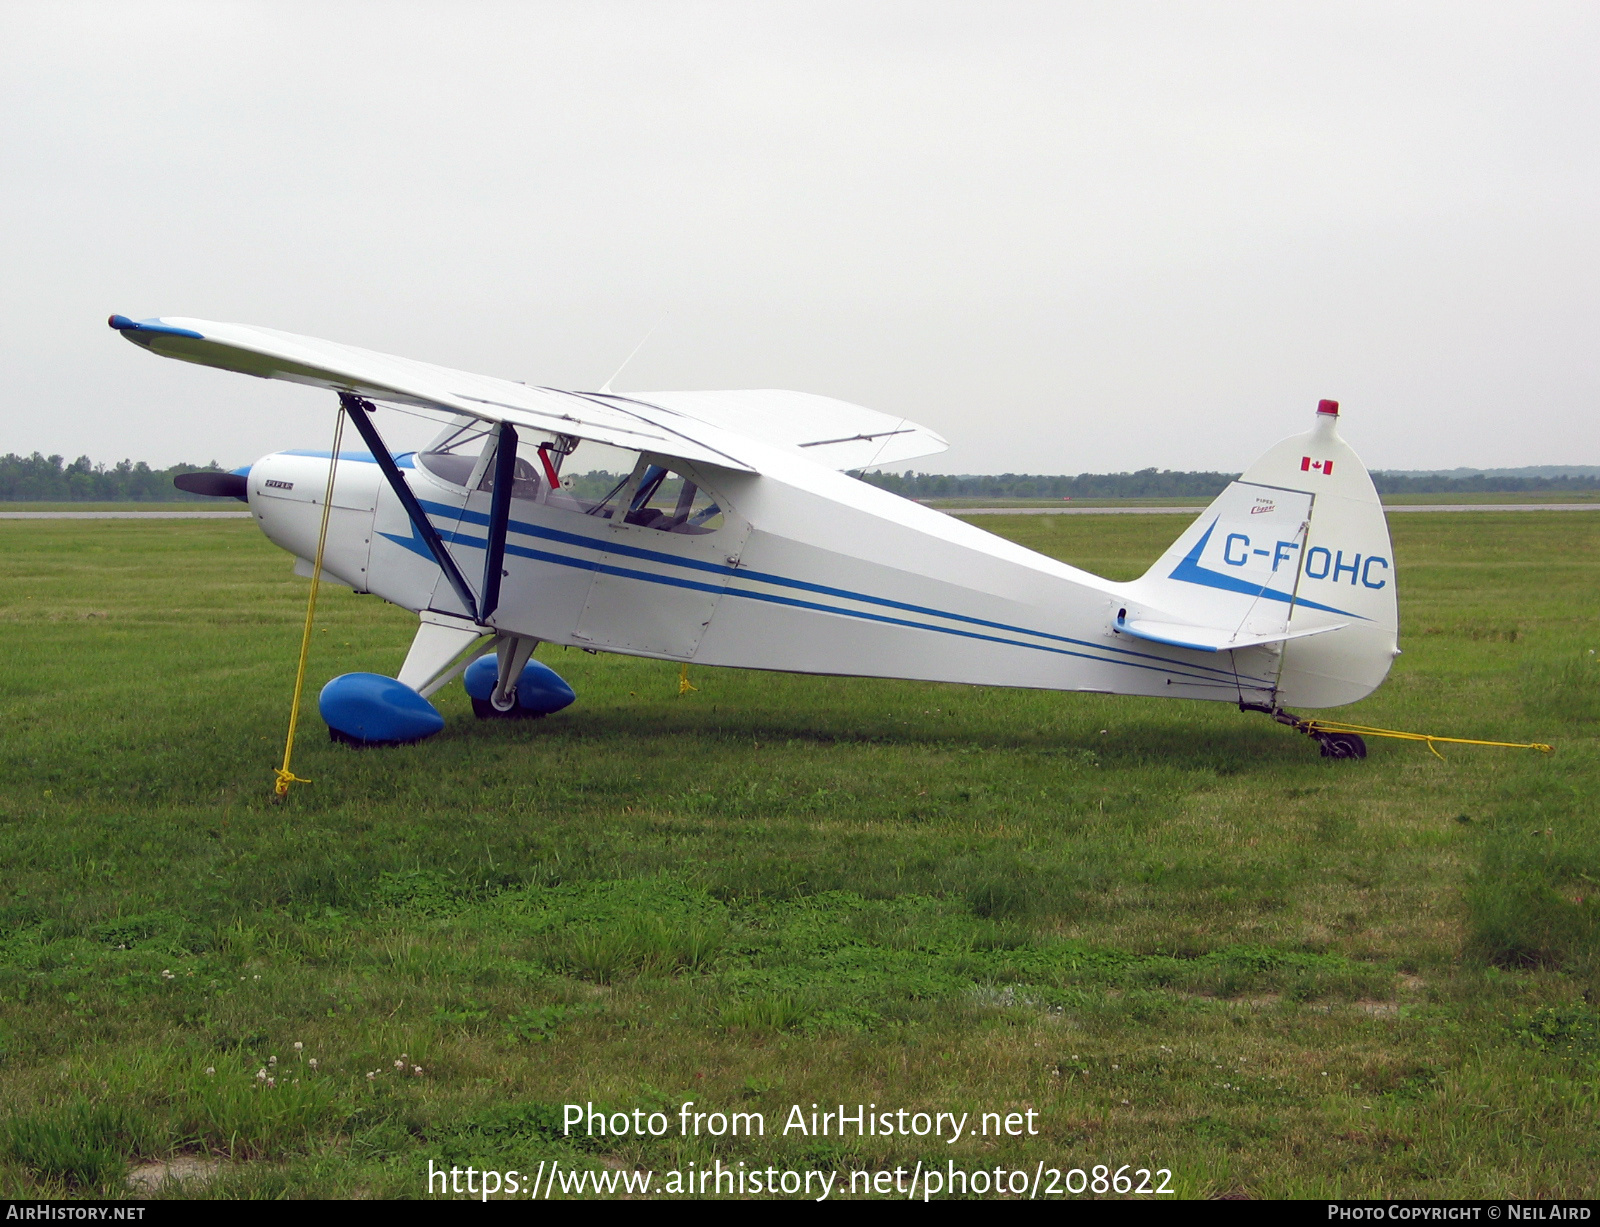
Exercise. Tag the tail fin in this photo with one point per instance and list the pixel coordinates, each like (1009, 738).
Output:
(1291, 564)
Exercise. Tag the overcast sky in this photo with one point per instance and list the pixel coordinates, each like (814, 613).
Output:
(1070, 237)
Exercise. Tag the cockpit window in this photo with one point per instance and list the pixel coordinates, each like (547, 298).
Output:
(589, 478)
(671, 503)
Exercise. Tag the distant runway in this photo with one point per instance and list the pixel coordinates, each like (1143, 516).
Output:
(1194, 511)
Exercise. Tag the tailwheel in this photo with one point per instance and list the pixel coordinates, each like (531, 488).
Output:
(1334, 745)
(1342, 745)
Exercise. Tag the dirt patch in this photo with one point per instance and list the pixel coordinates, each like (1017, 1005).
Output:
(148, 1177)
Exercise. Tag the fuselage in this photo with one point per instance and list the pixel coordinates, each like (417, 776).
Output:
(818, 574)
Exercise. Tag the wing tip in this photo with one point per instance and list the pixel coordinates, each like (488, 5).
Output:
(121, 323)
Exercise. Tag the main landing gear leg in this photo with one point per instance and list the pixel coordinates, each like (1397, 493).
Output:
(512, 653)
(1334, 745)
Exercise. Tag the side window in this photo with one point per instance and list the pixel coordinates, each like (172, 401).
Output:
(671, 503)
(582, 476)
(591, 475)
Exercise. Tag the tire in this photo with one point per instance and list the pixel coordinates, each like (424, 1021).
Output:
(1342, 745)
(361, 743)
(485, 710)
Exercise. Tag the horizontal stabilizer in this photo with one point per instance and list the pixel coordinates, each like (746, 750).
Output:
(1210, 638)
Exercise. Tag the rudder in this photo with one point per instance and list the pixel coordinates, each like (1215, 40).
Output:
(1297, 548)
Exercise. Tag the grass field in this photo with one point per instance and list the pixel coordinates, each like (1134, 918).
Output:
(1389, 500)
(1172, 930)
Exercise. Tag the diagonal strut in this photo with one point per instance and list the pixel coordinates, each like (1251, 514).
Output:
(359, 409)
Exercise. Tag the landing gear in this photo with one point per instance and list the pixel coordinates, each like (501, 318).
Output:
(1342, 745)
(536, 690)
(485, 709)
(1334, 745)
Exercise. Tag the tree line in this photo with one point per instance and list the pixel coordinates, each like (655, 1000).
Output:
(50, 479)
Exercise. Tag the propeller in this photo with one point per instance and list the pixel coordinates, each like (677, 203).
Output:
(214, 485)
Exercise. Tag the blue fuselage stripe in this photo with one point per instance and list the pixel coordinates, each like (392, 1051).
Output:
(726, 573)
(1166, 666)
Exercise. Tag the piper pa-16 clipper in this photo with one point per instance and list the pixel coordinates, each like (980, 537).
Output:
(733, 536)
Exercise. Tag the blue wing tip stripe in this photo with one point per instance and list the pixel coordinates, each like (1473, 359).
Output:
(152, 327)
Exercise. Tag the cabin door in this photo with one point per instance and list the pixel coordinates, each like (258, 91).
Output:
(667, 564)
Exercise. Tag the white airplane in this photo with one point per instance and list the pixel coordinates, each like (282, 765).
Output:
(733, 537)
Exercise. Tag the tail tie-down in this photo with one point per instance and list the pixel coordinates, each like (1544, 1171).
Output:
(1341, 740)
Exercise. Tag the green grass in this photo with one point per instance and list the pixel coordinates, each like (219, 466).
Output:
(192, 503)
(1389, 500)
(1173, 930)
(197, 503)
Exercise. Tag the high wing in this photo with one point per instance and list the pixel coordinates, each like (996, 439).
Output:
(707, 427)
(830, 432)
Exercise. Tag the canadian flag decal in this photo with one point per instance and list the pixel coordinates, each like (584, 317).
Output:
(1325, 467)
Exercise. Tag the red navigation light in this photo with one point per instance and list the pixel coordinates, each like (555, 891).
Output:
(1330, 407)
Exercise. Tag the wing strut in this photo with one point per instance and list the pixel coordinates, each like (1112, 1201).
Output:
(505, 467)
(358, 409)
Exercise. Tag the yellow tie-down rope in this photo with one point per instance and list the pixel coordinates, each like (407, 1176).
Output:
(1335, 726)
(285, 776)
(684, 685)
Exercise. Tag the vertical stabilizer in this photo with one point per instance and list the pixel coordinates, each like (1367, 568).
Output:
(1298, 543)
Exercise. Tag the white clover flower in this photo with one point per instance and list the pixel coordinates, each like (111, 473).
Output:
(298, 1046)
(399, 1064)
(211, 1069)
(261, 1075)
(371, 1074)
(272, 1082)
(273, 1059)
(417, 1070)
(312, 1062)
